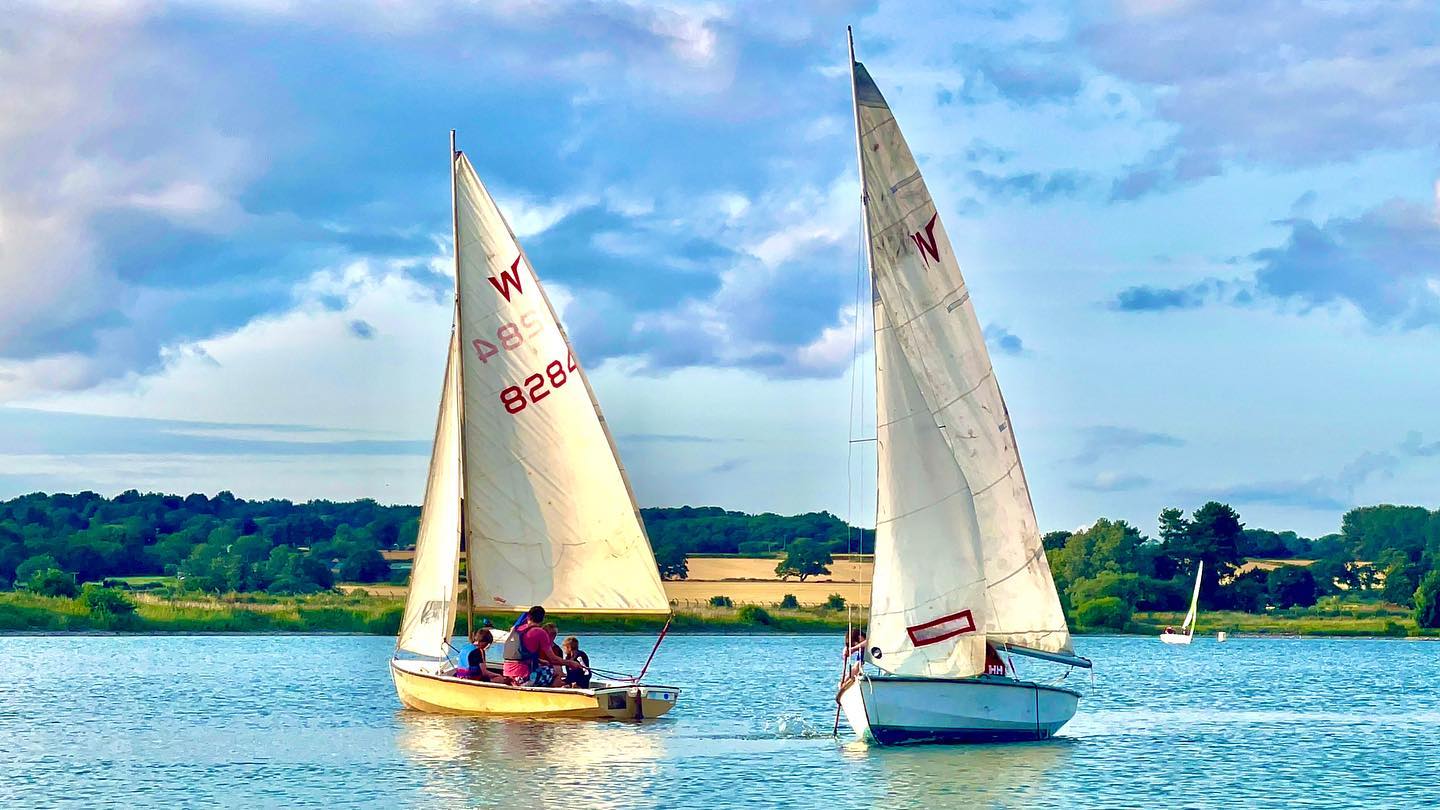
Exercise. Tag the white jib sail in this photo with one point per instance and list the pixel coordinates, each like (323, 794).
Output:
(550, 518)
(430, 604)
(927, 602)
(923, 292)
(1194, 598)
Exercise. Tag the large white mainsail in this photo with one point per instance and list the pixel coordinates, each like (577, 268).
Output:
(549, 516)
(928, 594)
(430, 604)
(923, 295)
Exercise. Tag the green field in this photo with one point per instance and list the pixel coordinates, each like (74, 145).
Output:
(359, 612)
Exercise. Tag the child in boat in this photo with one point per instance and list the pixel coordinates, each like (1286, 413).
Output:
(576, 677)
(475, 661)
(854, 651)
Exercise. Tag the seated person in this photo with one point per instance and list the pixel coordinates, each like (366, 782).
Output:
(475, 661)
(854, 651)
(530, 657)
(576, 678)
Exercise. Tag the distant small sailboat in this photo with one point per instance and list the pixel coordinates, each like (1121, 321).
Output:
(1187, 630)
(525, 482)
(959, 563)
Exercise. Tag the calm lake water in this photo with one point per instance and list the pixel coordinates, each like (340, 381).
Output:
(247, 721)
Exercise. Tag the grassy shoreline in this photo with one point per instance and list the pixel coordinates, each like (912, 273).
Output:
(24, 613)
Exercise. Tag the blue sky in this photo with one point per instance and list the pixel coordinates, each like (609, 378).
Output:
(1203, 238)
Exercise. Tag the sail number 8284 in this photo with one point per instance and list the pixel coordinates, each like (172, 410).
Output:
(537, 386)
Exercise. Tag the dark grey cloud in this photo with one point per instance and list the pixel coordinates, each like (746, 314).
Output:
(1415, 446)
(1325, 492)
(1385, 262)
(1000, 339)
(1113, 482)
(671, 438)
(728, 465)
(1145, 298)
(28, 431)
(1036, 187)
(1272, 81)
(1104, 441)
(1025, 76)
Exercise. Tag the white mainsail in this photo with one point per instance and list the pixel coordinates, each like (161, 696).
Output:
(924, 299)
(927, 565)
(1194, 600)
(430, 604)
(549, 516)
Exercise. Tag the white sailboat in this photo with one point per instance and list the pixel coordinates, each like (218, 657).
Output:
(959, 563)
(525, 481)
(1187, 630)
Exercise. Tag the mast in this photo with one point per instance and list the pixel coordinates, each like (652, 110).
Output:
(464, 547)
(868, 271)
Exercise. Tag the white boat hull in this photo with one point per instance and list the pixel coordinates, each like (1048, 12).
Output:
(902, 710)
(1175, 638)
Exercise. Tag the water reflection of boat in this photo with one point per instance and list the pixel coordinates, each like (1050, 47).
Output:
(986, 776)
(459, 757)
(525, 483)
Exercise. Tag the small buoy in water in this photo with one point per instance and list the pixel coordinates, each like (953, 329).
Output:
(1220, 636)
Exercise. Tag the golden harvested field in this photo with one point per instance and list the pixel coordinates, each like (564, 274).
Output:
(745, 581)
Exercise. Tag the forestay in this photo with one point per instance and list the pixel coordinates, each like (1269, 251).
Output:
(430, 604)
(928, 595)
(549, 516)
(923, 295)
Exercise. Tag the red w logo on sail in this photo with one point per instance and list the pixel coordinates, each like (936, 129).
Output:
(942, 628)
(924, 243)
(502, 285)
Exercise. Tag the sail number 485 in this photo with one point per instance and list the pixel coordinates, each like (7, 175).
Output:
(511, 337)
(537, 386)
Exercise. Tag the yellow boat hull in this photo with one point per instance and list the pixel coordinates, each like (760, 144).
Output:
(442, 694)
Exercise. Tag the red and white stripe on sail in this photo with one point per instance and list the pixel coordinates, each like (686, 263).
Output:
(945, 627)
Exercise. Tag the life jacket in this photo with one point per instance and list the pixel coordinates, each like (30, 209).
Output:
(515, 647)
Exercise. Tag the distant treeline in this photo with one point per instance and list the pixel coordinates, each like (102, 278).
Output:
(216, 544)
(221, 544)
(1381, 553)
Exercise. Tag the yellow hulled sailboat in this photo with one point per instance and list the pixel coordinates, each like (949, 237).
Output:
(525, 482)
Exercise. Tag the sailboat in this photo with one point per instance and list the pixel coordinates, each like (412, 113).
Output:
(959, 564)
(1187, 630)
(525, 484)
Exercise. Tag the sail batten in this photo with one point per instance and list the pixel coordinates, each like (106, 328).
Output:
(929, 343)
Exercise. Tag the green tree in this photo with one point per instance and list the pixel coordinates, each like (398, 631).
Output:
(52, 582)
(671, 561)
(363, 563)
(1292, 586)
(1249, 592)
(1427, 601)
(101, 600)
(1108, 545)
(789, 602)
(1105, 613)
(1400, 577)
(804, 559)
(26, 571)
